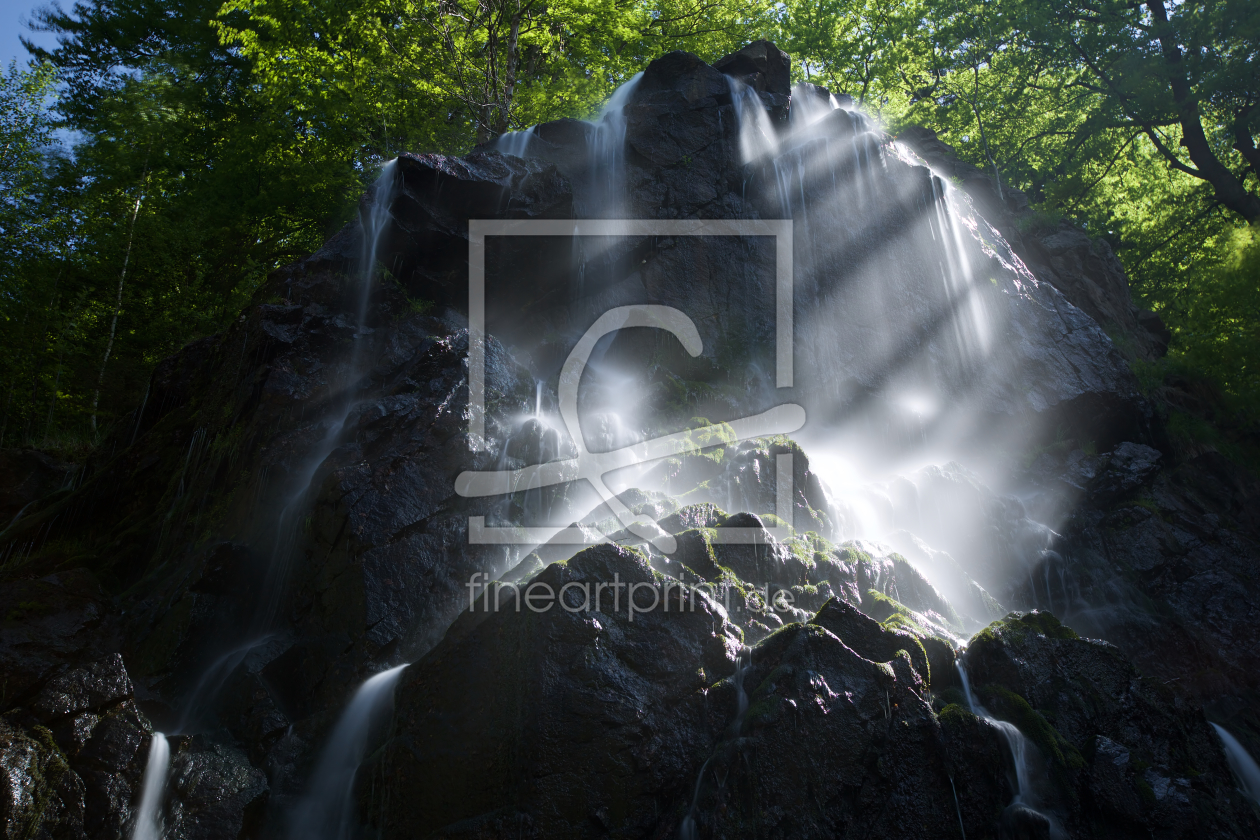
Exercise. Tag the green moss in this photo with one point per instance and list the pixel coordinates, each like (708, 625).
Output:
(1145, 792)
(955, 715)
(763, 710)
(1065, 759)
(849, 555)
(419, 306)
(1017, 627)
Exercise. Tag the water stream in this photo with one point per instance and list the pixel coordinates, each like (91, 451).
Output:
(148, 824)
(327, 810)
(1241, 762)
(689, 828)
(1030, 784)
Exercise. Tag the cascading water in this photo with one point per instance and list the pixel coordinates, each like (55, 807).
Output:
(374, 225)
(607, 154)
(757, 136)
(327, 810)
(514, 142)
(148, 821)
(197, 711)
(1241, 762)
(1029, 785)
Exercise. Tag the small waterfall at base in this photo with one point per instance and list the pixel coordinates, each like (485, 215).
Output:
(1026, 806)
(148, 825)
(327, 810)
(1241, 762)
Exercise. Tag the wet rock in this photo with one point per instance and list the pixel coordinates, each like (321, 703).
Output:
(568, 718)
(1019, 822)
(1108, 735)
(832, 743)
(56, 619)
(766, 69)
(89, 688)
(872, 641)
(761, 65)
(40, 796)
(1164, 572)
(1128, 467)
(215, 793)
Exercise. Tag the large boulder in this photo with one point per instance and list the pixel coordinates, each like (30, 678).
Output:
(1127, 756)
(553, 718)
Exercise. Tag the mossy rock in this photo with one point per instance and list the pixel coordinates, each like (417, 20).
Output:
(1016, 627)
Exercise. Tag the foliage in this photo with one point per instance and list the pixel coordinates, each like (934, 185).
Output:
(210, 142)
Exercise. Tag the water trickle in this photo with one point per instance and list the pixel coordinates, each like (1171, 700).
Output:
(808, 107)
(327, 810)
(1023, 755)
(197, 711)
(199, 704)
(607, 155)
(756, 132)
(1241, 762)
(374, 224)
(148, 824)
(514, 142)
(954, 790)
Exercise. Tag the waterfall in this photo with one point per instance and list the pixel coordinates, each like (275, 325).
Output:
(757, 136)
(327, 810)
(1023, 754)
(514, 142)
(1241, 762)
(202, 699)
(148, 825)
(808, 107)
(607, 154)
(374, 224)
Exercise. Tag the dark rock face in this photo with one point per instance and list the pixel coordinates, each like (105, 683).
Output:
(26, 476)
(1127, 757)
(1161, 562)
(761, 65)
(45, 622)
(557, 723)
(215, 793)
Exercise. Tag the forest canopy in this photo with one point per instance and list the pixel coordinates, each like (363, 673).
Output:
(167, 154)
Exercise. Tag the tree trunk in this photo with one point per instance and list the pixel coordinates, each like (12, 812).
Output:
(113, 324)
(509, 77)
(1230, 191)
